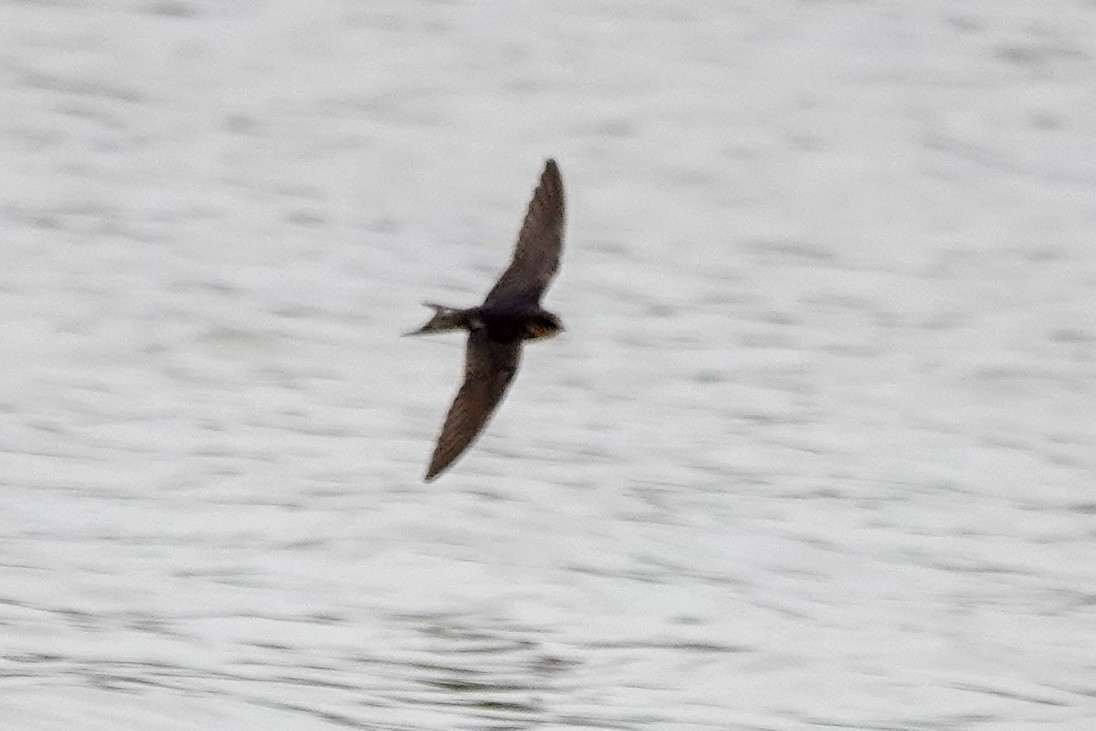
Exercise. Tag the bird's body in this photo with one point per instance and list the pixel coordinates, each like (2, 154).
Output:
(509, 315)
(501, 324)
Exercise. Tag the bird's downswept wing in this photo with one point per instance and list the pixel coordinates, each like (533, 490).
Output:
(539, 245)
(488, 369)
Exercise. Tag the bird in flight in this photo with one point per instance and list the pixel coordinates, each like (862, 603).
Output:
(509, 315)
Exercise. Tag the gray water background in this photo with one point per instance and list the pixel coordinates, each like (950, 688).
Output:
(817, 451)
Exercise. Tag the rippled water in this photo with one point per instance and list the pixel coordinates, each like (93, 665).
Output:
(817, 450)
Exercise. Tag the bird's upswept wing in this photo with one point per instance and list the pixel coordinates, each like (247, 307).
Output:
(540, 242)
(489, 367)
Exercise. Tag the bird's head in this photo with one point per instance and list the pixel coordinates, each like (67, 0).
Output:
(542, 325)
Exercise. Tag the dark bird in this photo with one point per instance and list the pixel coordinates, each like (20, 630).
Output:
(510, 314)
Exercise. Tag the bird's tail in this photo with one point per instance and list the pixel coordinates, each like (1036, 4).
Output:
(444, 319)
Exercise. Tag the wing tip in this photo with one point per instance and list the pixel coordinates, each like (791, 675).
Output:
(434, 472)
(551, 168)
(551, 184)
(437, 466)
